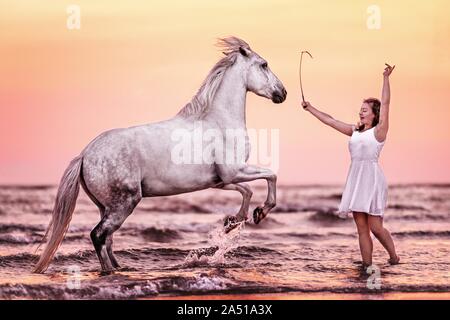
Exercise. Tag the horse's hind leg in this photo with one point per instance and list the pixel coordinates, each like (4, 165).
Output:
(109, 240)
(109, 251)
(109, 243)
(112, 219)
(101, 208)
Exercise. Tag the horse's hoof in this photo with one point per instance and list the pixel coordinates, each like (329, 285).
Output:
(230, 227)
(230, 223)
(106, 272)
(258, 215)
(228, 220)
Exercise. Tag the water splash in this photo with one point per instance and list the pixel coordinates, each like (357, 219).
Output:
(224, 241)
(218, 238)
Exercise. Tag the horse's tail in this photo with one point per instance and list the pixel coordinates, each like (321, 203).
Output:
(62, 213)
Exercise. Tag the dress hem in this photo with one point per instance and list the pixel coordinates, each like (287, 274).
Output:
(349, 211)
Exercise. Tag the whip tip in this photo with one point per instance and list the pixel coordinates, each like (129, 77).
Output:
(307, 53)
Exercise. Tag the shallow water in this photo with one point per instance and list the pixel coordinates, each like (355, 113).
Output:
(176, 246)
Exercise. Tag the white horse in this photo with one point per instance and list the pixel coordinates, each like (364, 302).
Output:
(121, 166)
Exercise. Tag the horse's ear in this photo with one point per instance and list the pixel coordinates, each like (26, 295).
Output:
(244, 52)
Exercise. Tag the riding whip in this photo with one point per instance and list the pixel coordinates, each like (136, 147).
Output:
(300, 72)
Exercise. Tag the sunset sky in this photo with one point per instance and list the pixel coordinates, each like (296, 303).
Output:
(135, 62)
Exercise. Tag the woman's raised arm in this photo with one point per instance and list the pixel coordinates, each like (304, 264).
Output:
(340, 126)
(383, 125)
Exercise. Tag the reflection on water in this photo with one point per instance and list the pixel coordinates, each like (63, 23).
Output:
(176, 246)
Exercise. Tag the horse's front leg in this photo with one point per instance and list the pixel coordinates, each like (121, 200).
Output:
(249, 173)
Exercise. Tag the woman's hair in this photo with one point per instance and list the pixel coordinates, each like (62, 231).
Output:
(375, 104)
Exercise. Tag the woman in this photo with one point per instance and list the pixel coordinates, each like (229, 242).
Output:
(365, 192)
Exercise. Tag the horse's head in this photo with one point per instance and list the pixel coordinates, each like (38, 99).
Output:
(259, 78)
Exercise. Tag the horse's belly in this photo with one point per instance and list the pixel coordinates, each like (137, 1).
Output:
(183, 179)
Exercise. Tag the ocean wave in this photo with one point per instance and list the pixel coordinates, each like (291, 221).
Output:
(315, 236)
(63, 292)
(327, 216)
(123, 287)
(166, 252)
(84, 256)
(19, 239)
(253, 252)
(19, 227)
(20, 260)
(293, 207)
(119, 287)
(28, 234)
(421, 185)
(27, 187)
(17, 207)
(133, 254)
(154, 234)
(267, 223)
(420, 216)
(406, 207)
(334, 196)
(426, 234)
(89, 256)
(20, 234)
(21, 199)
(208, 283)
(439, 199)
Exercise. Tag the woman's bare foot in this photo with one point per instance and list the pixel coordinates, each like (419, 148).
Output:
(395, 260)
(364, 266)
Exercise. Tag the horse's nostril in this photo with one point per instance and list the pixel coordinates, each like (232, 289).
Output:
(279, 96)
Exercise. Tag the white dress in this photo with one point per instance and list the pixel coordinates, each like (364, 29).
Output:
(366, 188)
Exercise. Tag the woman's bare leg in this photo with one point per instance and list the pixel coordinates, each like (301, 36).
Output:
(365, 242)
(385, 238)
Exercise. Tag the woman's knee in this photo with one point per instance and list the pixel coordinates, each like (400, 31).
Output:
(363, 231)
(376, 228)
(362, 224)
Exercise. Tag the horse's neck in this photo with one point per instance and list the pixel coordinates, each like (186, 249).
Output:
(228, 105)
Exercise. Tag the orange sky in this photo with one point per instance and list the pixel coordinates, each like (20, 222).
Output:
(134, 62)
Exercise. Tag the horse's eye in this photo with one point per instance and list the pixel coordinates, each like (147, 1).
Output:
(264, 65)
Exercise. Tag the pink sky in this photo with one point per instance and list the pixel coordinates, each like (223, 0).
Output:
(139, 62)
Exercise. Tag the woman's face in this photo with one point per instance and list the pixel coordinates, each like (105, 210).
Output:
(366, 115)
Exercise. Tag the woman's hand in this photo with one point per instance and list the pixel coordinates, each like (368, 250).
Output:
(359, 126)
(306, 105)
(388, 70)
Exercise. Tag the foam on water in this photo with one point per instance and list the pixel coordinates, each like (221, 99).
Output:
(218, 238)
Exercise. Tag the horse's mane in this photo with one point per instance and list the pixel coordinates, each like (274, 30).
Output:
(201, 101)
